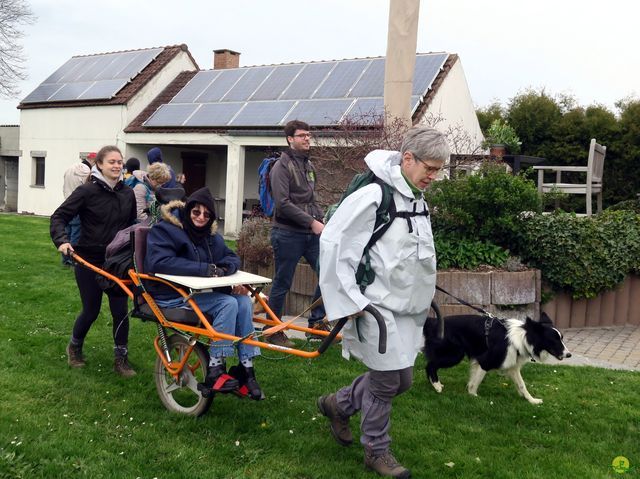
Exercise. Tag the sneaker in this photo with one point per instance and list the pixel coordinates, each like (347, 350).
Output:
(385, 464)
(219, 381)
(280, 339)
(248, 383)
(75, 358)
(122, 367)
(328, 406)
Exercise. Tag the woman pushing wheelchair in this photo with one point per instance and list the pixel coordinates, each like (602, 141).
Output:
(185, 243)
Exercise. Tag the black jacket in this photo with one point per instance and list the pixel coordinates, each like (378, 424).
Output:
(103, 212)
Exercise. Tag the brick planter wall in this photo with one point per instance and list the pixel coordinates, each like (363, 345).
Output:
(512, 294)
(503, 293)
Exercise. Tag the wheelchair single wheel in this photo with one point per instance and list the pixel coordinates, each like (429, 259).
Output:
(182, 396)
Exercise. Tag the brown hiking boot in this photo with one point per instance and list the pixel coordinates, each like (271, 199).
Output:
(122, 367)
(385, 464)
(328, 406)
(320, 326)
(280, 339)
(75, 359)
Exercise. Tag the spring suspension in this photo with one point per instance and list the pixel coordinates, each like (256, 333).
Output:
(163, 342)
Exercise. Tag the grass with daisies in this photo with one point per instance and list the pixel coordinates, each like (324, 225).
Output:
(58, 422)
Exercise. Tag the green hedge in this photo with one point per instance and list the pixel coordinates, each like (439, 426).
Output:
(482, 206)
(582, 255)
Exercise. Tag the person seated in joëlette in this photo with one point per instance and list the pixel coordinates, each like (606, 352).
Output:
(185, 243)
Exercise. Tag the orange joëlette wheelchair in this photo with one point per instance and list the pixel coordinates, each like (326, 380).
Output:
(184, 334)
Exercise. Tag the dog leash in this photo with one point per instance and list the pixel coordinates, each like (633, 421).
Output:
(490, 317)
(463, 302)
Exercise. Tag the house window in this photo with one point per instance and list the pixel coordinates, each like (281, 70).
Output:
(38, 169)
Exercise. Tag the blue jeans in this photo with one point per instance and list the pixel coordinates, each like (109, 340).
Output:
(288, 248)
(232, 314)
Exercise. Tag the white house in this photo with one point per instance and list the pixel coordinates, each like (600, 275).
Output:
(213, 125)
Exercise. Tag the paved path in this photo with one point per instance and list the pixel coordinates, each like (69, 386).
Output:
(615, 347)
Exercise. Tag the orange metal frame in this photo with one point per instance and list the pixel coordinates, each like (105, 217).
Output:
(206, 332)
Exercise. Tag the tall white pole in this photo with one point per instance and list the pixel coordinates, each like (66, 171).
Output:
(400, 63)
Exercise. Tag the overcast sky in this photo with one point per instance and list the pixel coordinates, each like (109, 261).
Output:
(585, 48)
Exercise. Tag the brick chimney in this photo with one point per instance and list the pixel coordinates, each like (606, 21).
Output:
(224, 59)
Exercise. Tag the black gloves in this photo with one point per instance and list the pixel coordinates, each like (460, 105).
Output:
(215, 271)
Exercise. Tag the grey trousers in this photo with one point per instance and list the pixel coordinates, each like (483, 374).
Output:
(372, 394)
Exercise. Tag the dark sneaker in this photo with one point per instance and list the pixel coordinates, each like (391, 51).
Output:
(385, 465)
(219, 381)
(280, 339)
(75, 358)
(320, 326)
(328, 406)
(248, 383)
(122, 367)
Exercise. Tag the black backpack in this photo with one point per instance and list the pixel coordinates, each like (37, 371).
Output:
(386, 213)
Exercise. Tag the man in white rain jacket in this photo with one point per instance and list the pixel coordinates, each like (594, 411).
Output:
(404, 263)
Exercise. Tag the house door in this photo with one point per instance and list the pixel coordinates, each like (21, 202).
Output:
(194, 166)
(10, 192)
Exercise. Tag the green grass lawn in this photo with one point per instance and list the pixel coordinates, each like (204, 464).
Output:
(57, 422)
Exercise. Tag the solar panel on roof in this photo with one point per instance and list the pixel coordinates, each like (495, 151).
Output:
(307, 81)
(171, 115)
(321, 94)
(138, 63)
(341, 79)
(42, 93)
(262, 113)
(427, 67)
(320, 112)
(220, 85)
(195, 87)
(214, 114)
(93, 68)
(118, 62)
(65, 69)
(276, 83)
(371, 83)
(70, 91)
(248, 84)
(102, 89)
(90, 77)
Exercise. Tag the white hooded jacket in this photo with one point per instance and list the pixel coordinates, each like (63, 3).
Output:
(404, 263)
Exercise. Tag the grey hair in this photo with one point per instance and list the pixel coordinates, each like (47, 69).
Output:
(159, 172)
(426, 143)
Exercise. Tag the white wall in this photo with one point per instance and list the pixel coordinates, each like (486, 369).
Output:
(453, 104)
(62, 134)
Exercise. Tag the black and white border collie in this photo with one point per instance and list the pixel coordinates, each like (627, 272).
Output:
(490, 343)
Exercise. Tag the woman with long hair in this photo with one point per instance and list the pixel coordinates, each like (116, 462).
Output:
(105, 206)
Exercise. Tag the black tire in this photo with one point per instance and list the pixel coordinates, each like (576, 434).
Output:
(183, 396)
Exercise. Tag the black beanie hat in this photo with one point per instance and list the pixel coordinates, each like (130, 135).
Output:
(204, 197)
(132, 164)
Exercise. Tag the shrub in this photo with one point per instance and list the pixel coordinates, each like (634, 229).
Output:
(501, 133)
(465, 253)
(254, 242)
(584, 256)
(484, 206)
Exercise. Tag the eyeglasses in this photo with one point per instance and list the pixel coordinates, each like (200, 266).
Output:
(428, 169)
(303, 135)
(204, 213)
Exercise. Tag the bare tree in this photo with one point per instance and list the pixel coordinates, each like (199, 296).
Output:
(14, 14)
(340, 150)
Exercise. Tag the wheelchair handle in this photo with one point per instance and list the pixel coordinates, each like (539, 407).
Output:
(382, 341)
(382, 326)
